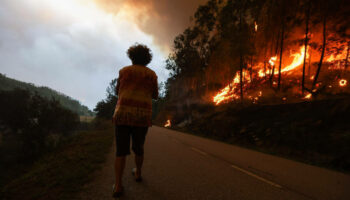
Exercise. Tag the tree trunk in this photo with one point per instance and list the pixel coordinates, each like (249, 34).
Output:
(281, 54)
(265, 60)
(322, 54)
(310, 55)
(265, 68)
(273, 67)
(241, 75)
(251, 69)
(241, 53)
(305, 45)
(347, 57)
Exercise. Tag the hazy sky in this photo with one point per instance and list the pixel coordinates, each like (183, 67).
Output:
(78, 46)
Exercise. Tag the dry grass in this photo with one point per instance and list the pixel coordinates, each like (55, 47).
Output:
(86, 119)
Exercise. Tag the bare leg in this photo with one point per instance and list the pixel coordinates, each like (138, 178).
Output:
(119, 168)
(138, 162)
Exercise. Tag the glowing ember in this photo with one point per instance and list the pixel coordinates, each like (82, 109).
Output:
(168, 123)
(343, 83)
(308, 96)
(256, 26)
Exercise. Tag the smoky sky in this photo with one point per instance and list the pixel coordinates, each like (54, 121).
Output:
(163, 19)
(78, 46)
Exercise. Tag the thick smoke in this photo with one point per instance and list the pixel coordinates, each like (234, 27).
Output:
(71, 43)
(163, 19)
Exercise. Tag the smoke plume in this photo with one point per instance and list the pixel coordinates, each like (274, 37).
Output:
(162, 19)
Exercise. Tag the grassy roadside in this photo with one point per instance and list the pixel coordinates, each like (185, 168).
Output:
(61, 174)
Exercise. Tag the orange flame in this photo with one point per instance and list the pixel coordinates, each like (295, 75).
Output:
(168, 123)
(273, 60)
(343, 82)
(297, 60)
(261, 73)
(308, 96)
(228, 92)
(337, 57)
(232, 90)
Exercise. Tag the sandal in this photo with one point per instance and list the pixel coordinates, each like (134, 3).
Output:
(116, 194)
(139, 179)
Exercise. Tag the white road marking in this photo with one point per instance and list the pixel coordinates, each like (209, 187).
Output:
(238, 168)
(199, 151)
(256, 176)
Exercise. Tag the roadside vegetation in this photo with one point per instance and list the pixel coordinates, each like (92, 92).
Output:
(30, 127)
(62, 173)
(46, 150)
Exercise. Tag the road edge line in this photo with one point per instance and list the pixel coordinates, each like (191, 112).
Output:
(256, 176)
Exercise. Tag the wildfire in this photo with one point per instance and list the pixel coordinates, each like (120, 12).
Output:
(260, 71)
(343, 83)
(168, 123)
(230, 92)
(297, 60)
(263, 72)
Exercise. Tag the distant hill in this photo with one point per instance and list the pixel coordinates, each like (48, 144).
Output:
(66, 101)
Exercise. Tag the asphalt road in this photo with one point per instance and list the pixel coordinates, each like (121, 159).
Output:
(181, 166)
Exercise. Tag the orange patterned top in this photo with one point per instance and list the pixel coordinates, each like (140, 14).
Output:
(136, 87)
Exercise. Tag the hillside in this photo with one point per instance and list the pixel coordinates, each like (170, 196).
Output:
(66, 101)
(315, 132)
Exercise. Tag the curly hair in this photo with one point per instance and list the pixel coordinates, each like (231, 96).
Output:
(139, 54)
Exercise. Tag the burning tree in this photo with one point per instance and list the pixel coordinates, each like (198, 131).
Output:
(248, 50)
